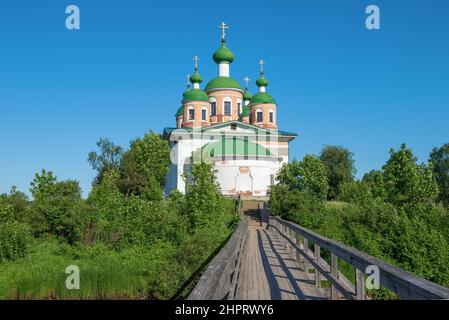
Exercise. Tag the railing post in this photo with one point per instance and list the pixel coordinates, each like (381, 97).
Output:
(359, 284)
(334, 273)
(317, 260)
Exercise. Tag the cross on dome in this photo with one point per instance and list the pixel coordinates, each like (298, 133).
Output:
(261, 62)
(196, 59)
(246, 79)
(223, 27)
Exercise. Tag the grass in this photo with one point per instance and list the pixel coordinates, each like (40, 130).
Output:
(104, 274)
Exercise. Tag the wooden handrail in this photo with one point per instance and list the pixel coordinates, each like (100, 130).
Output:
(220, 278)
(406, 285)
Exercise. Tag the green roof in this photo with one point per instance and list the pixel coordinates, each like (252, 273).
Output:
(262, 82)
(262, 97)
(223, 83)
(196, 78)
(234, 147)
(247, 95)
(180, 111)
(223, 54)
(195, 95)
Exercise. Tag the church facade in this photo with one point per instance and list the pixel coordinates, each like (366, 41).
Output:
(225, 124)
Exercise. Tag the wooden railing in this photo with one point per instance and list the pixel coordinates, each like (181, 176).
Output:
(219, 281)
(404, 284)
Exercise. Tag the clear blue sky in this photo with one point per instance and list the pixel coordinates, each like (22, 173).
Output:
(124, 72)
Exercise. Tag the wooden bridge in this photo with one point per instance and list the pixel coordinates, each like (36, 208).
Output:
(267, 258)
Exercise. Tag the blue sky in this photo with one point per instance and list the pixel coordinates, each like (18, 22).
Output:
(124, 73)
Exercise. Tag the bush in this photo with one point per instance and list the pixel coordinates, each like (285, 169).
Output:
(15, 240)
(355, 192)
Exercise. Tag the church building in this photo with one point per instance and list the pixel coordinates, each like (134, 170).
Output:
(227, 125)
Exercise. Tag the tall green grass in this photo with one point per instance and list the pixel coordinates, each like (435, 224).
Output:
(104, 274)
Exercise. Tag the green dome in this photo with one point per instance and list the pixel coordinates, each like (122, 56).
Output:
(262, 82)
(195, 95)
(247, 95)
(245, 111)
(196, 78)
(180, 111)
(223, 54)
(262, 97)
(223, 83)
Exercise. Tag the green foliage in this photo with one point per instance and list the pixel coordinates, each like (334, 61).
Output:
(355, 192)
(390, 215)
(152, 157)
(131, 181)
(405, 181)
(15, 240)
(108, 158)
(55, 205)
(309, 175)
(374, 179)
(439, 157)
(339, 165)
(203, 200)
(127, 240)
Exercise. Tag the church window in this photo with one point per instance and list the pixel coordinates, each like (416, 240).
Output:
(259, 115)
(227, 108)
(191, 114)
(239, 107)
(271, 116)
(203, 115)
(213, 108)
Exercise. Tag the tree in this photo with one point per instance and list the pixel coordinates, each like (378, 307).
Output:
(108, 158)
(131, 181)
(439, 157)
(405, 181)
(339, 164)
(55, 205)
(309, 175)
(202, 195)
(374, 179)
(152, 156)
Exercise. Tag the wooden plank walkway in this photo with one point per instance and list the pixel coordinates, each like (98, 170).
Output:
(269, 271)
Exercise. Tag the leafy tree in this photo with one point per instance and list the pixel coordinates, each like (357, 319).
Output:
(355, 192)
(108, 158)
(309, 175)
(439, 157)
(55, 204)
(339, 164)
(374, 179)
(152, 157)
(202, 195)
(132, 181)
(405, 181)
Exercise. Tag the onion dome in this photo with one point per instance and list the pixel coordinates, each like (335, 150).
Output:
(262, 97)
(223, 54)
(196, 77)
(262, 82)
(247, 96)
(195, 95)
(223, 83)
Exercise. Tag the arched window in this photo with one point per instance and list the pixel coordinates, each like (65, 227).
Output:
(271, 116)
(204, 114)
(259, 115)
(191, 113)
(213, 107)
(227, 107)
